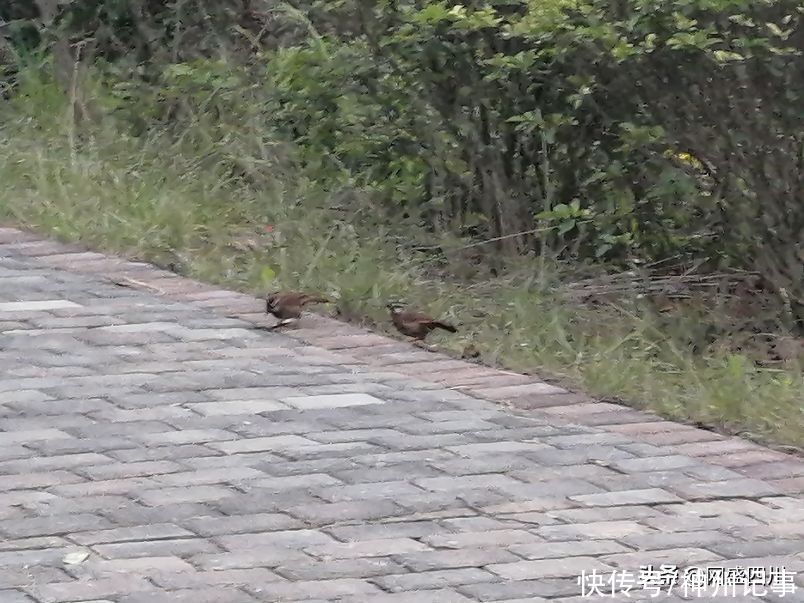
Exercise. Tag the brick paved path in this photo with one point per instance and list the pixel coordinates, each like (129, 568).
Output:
(152, 449)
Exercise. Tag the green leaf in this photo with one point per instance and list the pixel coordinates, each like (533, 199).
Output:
(566, 226)
(267, 275)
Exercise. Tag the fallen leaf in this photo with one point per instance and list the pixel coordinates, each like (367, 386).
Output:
(76, 557)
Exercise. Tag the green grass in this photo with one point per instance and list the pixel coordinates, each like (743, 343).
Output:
(164, 201)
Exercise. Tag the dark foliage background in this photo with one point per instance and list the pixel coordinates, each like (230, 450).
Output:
(630, 132)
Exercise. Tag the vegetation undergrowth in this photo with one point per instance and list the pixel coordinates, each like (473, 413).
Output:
(178, 201)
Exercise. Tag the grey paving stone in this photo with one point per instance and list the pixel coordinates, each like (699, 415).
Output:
(266, 556)
(135, 514)
(487, 538)
(306, 569)
(52, 525)
(400, 581)
(628, 497)
(567, 567)
(678, 557)
(366, 548)
(298, 539)
(203, 594)
(204, 579)
(364, 491)
(532, 590)
(667, 540)
(327, 513)
(558, 550)
(390, 529)
(278, 443)
(180, 547)
(330, 401)
(25, 576)
(62, 592)
(602, 530)
(742, 488)
(438, 560)
(336, 588)
(442, 595)
(156, 531)
(14, 596)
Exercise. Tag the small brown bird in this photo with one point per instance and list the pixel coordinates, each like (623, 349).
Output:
(288, 305)
(415, 324)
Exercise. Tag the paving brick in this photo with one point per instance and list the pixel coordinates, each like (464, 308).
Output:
(317, 481)
(774, 470)
(306, 569)
(52, 525)
(231, 475)
(25, 481)
(566, 567)
(199, 580)
(192, 595)
(679, 557)
(279, 443)
(63, 592)
(439, 560)
(391, 473)
(603, 530)
(793, 485)
(326, 513)
(365, 491)
(532, 590)
(665, 540)
(104, 487)
(650, 496)
(163, 496)
(24, 576)
(158, 531)
(330, 401)
(573, 549)
(14, 596)
(134, 514)
(124, 470)
(170, 453)
(323, 451)
(743, 488)
(235, 407)
(240, 524)
(655, 463)
(275, 539)
(366, 548)
(515, 391)
(266, 556)
(485, 448)
(183, 547)
(730, 549)
(399, 582)
(338, 588)
(452, 483)
(33, 435)
(96, 568)
(481, 539)
(35, 306)
(590, 515)
(442, 595)
(384, 530)
(186, 436)
(724, 521)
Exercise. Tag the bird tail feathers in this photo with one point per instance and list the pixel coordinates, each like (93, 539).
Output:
(445, 326)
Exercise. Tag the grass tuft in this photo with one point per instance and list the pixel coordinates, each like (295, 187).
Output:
(155, 199)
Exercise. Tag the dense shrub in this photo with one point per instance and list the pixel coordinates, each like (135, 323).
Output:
(628, 131)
